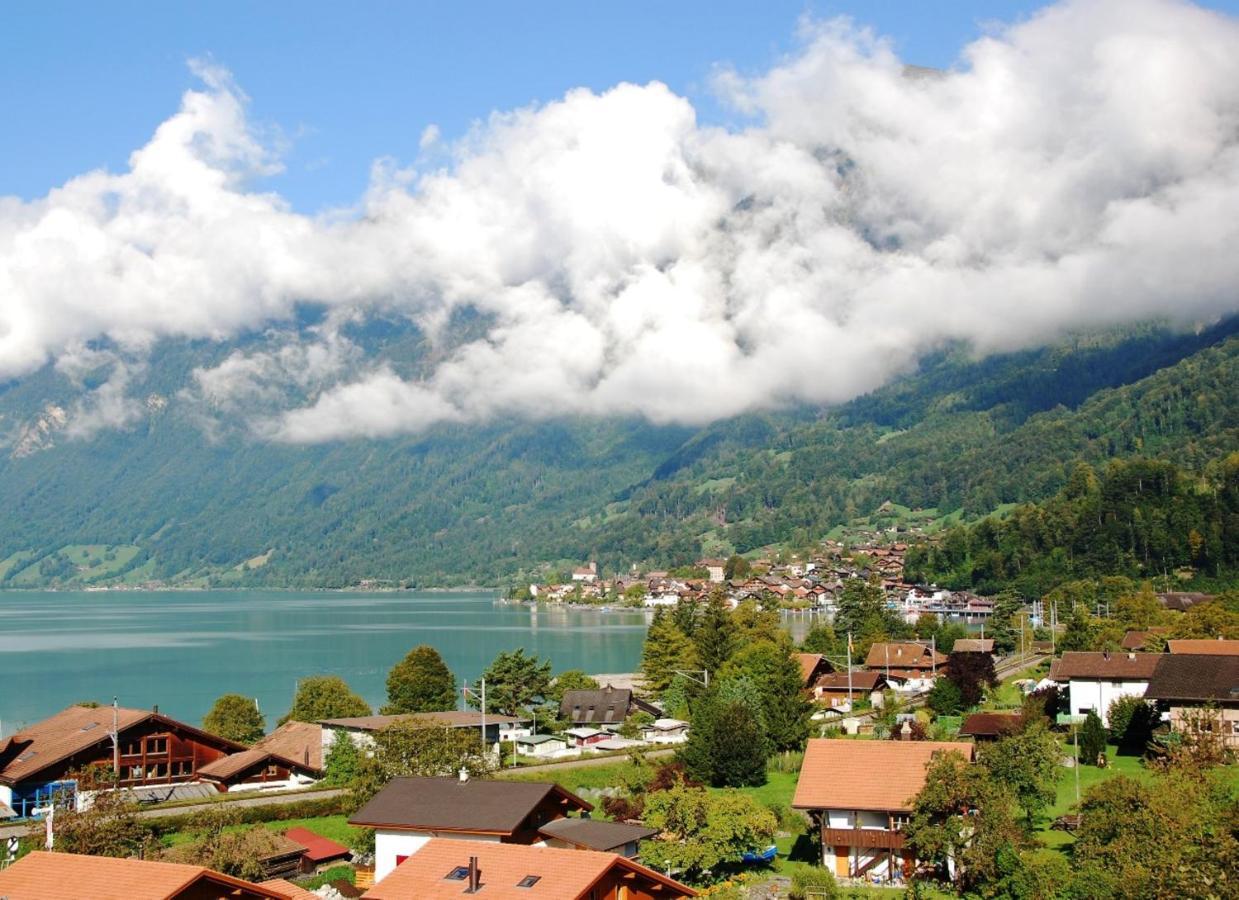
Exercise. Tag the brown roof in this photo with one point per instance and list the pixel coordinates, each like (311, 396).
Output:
(808, 665)
(973, 645)
(595, 834)
(861, 681)
(1195, 677)
(1182, 600)
(449, 718)
(560, 874)
(990, 724)
(234, 764)
(904, 654)
(74, 730)
(69, 876)
(872, 775)
(448, 804)
(1127, 666)
(1205, 647)
(1135, 640)
(302, 741)
(604, 706)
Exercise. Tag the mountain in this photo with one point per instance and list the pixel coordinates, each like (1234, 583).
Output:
(184, 494)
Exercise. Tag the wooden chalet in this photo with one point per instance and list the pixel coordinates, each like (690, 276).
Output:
(605, 706)
(837, 689)
(40, 762)
(905, 660)
(812, 667)
(256, 769)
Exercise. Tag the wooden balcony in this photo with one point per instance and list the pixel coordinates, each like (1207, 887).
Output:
(867, 838)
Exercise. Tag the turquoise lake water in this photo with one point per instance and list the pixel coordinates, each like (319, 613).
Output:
(181, 650)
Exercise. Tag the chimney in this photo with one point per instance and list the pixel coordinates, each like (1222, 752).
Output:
(463, 774)
(1131, 656)
(475, 876)
(1105, 654)
(905, 733)
(155, 710)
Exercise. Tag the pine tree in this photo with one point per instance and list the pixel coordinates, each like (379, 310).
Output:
(715, 635)
(1092, 740)
(667, 649)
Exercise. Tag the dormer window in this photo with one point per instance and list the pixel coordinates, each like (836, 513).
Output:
(528, 881)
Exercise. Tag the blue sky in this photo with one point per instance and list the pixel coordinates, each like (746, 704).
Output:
(82, 85)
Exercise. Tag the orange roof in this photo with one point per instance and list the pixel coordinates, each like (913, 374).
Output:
(808, 665)
(561, 874)
(1205, 647)
(290, 889)
(873, 775)
(904, 654)
(69, 876)
(300, 741)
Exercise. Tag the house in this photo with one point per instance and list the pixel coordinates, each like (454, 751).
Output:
(1206, 647)
(318, 851)
(605, 706)
(36, 762)
(665, 731)
(299, 741)
(584, 736)
(255, 769)
(70, 876)
(1136, 640)
(587, 573)
(1185, 684)
(837, 690)
(973, 645)
(543, 745)
(408, 812)
(984, 727)
(445, 868)
(595, 834)
(860, 795)
(716, 568)
(361, 729)
(906, 660)
(1095, 680)
(1182, 601)
(812, 667)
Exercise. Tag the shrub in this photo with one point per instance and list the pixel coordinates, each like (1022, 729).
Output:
(812, 881)
(1131, 722)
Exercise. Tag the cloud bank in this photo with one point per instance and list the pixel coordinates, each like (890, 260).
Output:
(1080, 168)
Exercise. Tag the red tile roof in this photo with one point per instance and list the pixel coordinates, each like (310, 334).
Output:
(317, 848)
(560, 874)
(1205, 647)
(990, 724)
(69, 876)
(870, 775)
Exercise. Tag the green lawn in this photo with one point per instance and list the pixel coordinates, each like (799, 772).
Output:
(335, 828)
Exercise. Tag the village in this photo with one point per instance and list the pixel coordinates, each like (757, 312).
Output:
(828, 759)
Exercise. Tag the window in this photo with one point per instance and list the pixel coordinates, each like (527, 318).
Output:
(182, 768)
(528, 881)
(899, 823)
(273, 770)
(157, 745)
(158, 770)
(460, 873)
(133, 773)
(131, 748)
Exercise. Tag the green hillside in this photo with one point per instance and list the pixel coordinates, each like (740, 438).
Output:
(166, 501)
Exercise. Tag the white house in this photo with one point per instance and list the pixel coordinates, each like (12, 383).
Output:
(1095, 680)
(361, 729)
(408, 812)
(665, 731)
(541, 745)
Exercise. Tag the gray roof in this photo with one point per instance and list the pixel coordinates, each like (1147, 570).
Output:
(594, 834)
(448, 804)
(1195, 677)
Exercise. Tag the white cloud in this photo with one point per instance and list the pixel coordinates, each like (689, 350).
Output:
(1079, 168)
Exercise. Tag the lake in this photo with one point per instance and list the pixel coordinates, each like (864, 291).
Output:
(181, 650)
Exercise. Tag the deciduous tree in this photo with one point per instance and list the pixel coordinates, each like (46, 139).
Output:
(421, 682)
(235, 717)
(702, 832)
(325, 697)
(971, 673)
(1027, 764)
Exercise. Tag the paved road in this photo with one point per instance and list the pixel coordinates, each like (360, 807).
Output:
(165, 812)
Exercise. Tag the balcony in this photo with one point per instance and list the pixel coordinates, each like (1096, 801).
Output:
(867, 838)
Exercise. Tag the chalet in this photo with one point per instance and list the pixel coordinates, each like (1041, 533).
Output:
(38, 762)
(361, 729)
(71, 876)
(837, 691)
(444, 868)
(812, 667)
(1095, 680)
(1206, 647)
(595, 834)
(606, 706)
(665, 731)
(1198, 691)
(860, 795)
(905, 660)
(298, 741)
(984, 727)
(255, 769)
(1138, 640)
(408, 812)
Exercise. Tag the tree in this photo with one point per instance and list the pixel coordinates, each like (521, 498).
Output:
(1080, 632)
(1003, 626)
(736, 567)
(515, 682)
(324, 697)
(342, 762)
(109, 826)
(1140, 610)
(667, 650)
(219, 843)
(784, 709)
(944, 697)
(1027, 764)
(821, 639)
(570, 680)
(421, 682)
(971, 673)
(701, 832)
(715, 634)
(1092, 740)
(1132, 720)
(235, 717)
(726, 744)
(409, 747)
(862, 612)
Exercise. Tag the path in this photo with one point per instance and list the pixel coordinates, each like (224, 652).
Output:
(583, 762)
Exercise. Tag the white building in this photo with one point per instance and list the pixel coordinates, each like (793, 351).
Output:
(665, 731)
(1095, 680)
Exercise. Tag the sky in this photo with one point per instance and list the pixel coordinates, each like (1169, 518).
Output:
(682, 212)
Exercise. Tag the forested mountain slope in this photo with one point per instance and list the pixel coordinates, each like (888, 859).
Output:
(168, 498)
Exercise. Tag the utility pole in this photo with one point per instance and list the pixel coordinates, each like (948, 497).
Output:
(114, 734)
(466, 693)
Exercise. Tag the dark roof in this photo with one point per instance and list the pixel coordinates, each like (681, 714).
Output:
(1135, 640)
(861, 681)
(448, 804)
(603, 706)
(1128, 666)
(593, 834)
(1195, 677)
(1182, 600)
(990, 724)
